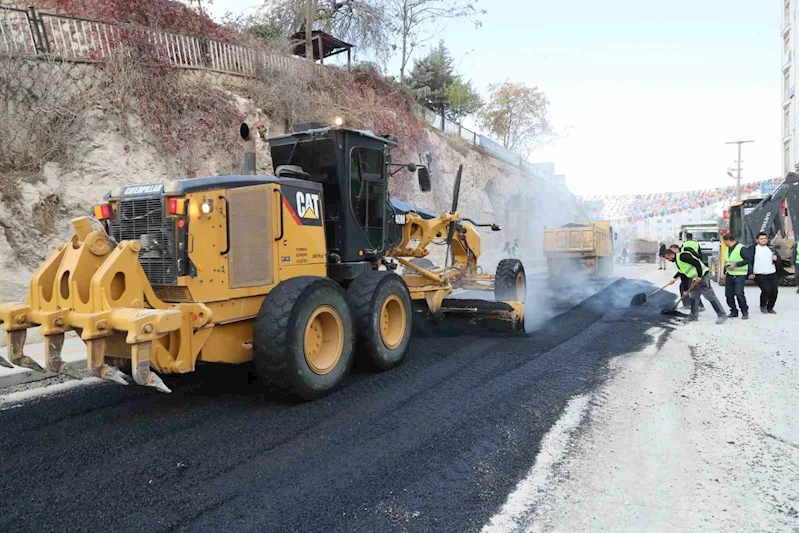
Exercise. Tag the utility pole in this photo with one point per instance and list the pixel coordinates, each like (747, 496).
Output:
(737, 176)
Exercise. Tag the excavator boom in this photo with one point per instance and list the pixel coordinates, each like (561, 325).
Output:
(766, 214)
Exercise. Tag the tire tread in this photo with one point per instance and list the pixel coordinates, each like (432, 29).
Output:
(270, 335)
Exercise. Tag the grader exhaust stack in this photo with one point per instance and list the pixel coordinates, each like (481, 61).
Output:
(249, 149)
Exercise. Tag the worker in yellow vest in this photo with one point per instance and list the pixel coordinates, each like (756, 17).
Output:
(696, 271)
(691, 245)
(736, 272)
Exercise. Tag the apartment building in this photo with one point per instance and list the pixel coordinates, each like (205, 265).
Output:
(789, 132)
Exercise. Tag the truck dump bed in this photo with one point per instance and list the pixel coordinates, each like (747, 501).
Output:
(584, 239)
(645, 249)
(583, 247)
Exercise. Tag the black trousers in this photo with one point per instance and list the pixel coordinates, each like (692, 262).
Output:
(768, 284)
(734, 288)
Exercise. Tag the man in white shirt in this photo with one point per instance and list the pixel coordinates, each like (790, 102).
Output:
(762, 269)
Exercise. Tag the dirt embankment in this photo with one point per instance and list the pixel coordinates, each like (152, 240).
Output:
(112, 145)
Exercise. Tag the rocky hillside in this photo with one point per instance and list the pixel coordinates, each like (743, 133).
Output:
(114, 143)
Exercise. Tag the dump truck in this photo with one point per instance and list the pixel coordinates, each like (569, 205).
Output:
(295, 272)
(642, 249)
(580, 247)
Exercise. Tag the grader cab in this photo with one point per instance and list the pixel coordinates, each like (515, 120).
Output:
(296, 272)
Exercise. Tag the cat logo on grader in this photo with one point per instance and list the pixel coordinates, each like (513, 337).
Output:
(308, 205)
(212, 284)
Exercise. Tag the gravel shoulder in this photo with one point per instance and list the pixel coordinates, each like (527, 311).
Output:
(697, 432)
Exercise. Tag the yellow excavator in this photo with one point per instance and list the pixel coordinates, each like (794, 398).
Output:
(296, 271)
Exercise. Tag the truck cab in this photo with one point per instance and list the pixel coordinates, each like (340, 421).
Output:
(706, 234)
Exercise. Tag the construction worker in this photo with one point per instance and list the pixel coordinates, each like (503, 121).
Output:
(692, 245)
(736, 272)
(697, 272)
(515, 249)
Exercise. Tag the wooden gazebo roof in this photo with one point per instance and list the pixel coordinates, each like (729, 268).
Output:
(324, 45)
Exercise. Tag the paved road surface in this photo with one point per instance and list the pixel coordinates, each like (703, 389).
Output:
(437, 444)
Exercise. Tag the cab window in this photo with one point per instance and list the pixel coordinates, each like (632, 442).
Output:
(367, 190)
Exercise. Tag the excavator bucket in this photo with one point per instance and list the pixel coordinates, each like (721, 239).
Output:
(100, 293)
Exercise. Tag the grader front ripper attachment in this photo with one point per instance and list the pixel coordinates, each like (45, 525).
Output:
(86, 287)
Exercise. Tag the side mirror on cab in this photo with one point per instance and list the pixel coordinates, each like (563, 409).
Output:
(424, 178)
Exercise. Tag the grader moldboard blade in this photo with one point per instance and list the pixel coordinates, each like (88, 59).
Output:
(86, 287)
(471, 317)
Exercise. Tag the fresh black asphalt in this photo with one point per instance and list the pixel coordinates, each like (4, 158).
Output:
(436, 444)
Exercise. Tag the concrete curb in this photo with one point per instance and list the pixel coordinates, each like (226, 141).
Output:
(74, 351)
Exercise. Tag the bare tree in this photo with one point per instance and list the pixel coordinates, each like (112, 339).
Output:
(363, 23)
(412, 20)
(518, 115)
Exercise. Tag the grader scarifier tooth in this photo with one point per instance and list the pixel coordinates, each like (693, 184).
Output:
(140, 355)
(15, 320)
(53, 344)
(97, 365)
(16, 346)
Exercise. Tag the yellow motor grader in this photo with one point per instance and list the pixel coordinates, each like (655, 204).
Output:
(295, 271)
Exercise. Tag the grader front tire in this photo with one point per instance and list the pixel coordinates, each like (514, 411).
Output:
(303, 337)
(510, 283)
(381, 306)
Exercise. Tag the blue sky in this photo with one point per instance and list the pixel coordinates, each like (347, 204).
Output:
(643, 93)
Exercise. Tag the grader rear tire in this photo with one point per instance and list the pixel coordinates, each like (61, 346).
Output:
(381, 306)
(303, 337)
(510, 283)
